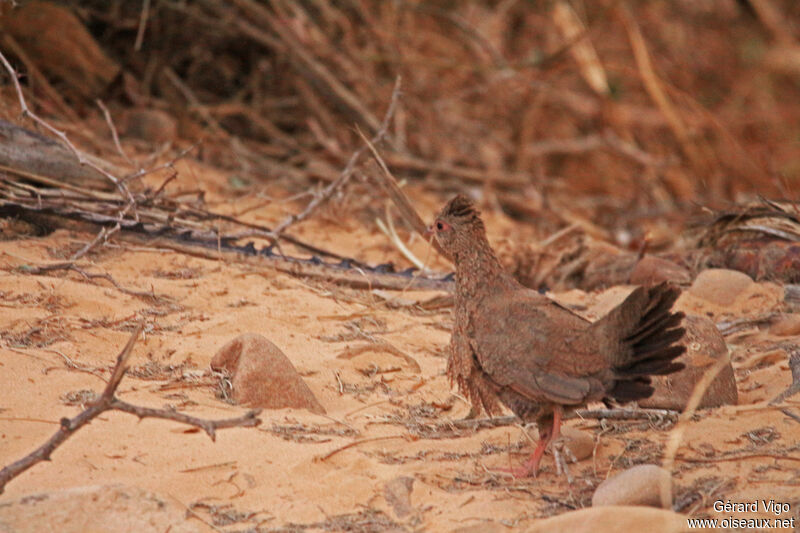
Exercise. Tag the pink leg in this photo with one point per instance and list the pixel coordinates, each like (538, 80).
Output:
(547, 432)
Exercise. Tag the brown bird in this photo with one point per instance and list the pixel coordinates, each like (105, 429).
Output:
(514, 346)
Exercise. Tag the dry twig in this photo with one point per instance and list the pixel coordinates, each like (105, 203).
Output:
(113, 128)
(70, 265)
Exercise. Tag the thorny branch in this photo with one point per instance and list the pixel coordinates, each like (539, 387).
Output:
(106, 402)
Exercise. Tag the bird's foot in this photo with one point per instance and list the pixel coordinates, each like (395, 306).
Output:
(529, 469)
(561, 454)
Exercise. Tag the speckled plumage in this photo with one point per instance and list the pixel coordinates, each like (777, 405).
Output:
(514, 346)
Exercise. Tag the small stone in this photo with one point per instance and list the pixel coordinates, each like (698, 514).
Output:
(704, 347)
(639, 485)
(580, 443)
(611, 519)
(151, 125)
(109, 508)
(652, 270)
(720, 286)
(262, 375)
(786, 326)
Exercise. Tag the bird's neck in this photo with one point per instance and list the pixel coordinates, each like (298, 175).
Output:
(478, 269)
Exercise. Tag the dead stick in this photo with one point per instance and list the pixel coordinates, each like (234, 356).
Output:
(70, 265)
(209, 426)
(114, 134)
(762, 455)
(104, 234)
(392, 189)
(145, 14)
(355, 443)
(625, 414)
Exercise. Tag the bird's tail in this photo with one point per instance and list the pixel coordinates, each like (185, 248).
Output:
(648, 331)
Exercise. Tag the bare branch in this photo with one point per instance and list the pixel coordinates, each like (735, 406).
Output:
(70, 265)
(103, 236)
(249, 419)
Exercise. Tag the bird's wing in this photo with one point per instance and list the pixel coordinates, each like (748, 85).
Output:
(529, 343)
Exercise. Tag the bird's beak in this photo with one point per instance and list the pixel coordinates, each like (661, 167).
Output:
(428, 232)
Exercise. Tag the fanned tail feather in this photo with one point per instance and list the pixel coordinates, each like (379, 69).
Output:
(650, 333)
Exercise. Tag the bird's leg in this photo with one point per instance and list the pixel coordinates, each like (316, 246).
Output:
(549, 429)
(531, 467)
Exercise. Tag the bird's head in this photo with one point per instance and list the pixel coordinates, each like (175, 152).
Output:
(457, 226)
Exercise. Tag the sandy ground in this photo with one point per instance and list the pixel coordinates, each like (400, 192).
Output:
(294, 468)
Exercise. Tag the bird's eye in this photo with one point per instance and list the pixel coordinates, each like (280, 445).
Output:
(439, 226)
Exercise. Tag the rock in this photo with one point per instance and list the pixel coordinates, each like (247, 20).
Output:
(57, 43)
(611, 519)
(652, 270)
(786, 326)
(720, 286)
(639, 485)
(580, 443)
(397, 493)
(109, 508)
(262, 375)
(704, 347)
(151, 125)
